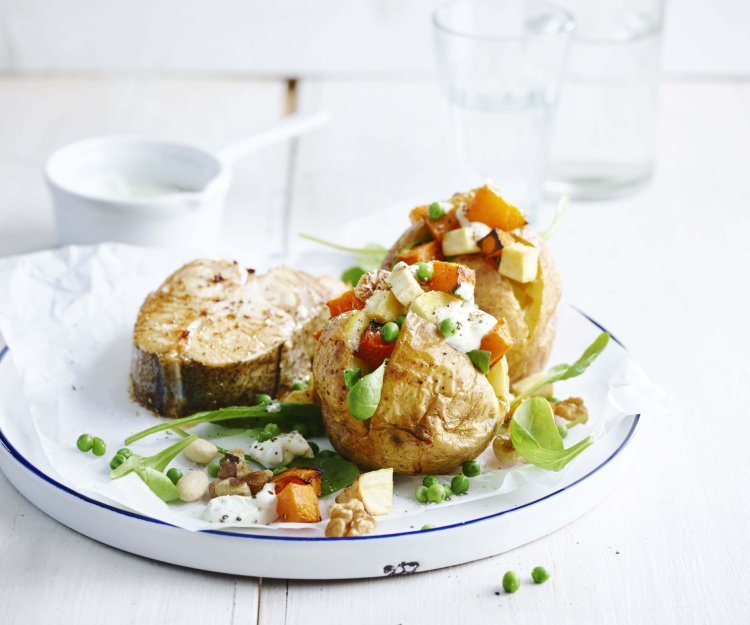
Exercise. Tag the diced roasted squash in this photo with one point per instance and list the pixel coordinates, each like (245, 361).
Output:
(497, 341)
(372, 348)
(492, 245)
(422, 253)
(489, 208)
(300, 476)
(298, 503)
(449, 276)
(344, 303)
(437, 227)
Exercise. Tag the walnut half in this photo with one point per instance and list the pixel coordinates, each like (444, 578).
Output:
(571, 409)
(349, 519)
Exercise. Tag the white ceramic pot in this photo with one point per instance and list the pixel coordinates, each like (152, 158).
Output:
(150, 191)
(137, 190)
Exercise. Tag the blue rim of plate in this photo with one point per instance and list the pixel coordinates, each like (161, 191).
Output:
(134, 515)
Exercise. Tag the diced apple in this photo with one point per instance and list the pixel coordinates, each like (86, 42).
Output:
(405, 286)
(383, 306)
(529, 381)
(460, 241)
(520, 262)
(498, 378)
(374, 489)
(426, 304)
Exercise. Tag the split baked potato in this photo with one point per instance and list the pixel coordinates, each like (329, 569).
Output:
(516, 278)
(441, 394)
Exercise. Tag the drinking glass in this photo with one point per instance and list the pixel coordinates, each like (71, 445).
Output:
(500, 64)
(603, 139)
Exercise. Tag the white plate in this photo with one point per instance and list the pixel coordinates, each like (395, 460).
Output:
(458, 534)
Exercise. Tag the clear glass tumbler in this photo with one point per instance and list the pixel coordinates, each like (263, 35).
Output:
(500, 63)
(603, 139)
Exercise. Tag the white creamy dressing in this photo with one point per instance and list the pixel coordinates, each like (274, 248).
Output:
(113, 183)
(280, 450)
(465, 291)
(259, 509)
(472, 324)
(480, 230)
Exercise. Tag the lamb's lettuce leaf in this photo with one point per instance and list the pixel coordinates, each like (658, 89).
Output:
(536, 438)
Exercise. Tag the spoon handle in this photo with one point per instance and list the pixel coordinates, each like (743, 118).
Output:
(288, 127)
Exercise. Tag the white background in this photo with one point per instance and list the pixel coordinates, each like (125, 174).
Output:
(665, 270)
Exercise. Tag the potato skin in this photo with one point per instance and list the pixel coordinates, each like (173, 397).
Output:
(435, 411)
(532, 327)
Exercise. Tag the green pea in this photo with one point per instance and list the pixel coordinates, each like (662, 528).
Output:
(563, 430)
(448, 327)
(539, 574)
(116, 461)
(448, 490)
(174, 475)
(300, 386)
(314, 447)
(421, 494)
(430, 480)
(263, 436)
(272, 429)
(213, 469)
(460, 484)
(389, 332)
(436, 493)
(85, 442)
(435, 211)
(263, 399)
(471, 468)
(124, 452)
(427, 527)
(424, 272)
(400, 320)
(326, 453)
(278, 470)
(511, 583)
(99, 447)
(301, 428)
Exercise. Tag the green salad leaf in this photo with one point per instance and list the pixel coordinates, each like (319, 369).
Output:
(369, 256)
(565, 372)
(363, 398)
(535, 436)
(338, 472)
(281, 413)
(352, 376)
(562, 205)
(352, 275)
(151, 469)
(480, 358)
(159, 484)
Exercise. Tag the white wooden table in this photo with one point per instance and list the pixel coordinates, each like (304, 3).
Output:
(672, 545)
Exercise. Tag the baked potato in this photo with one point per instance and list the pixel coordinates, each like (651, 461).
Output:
(516, 278)
(442, 394)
